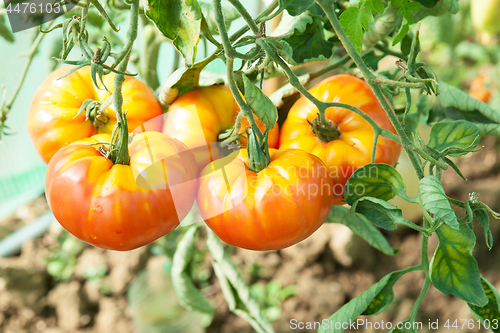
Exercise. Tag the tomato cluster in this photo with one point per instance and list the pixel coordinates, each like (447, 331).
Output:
(121, 207)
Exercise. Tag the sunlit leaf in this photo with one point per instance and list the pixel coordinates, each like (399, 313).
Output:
(454, 138)
(261, 105)
(434, 201)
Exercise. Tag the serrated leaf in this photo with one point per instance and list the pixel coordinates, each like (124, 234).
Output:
(453, 268)
(261, 105)
(454, 138)
(5, 31)
(355, 307)
(187, 294)
(484, 219)
(434, 201)
(308, 41)
(490, 311)
(361, 227)
(466, 107)
(354, 20)
(385, 297)
(230, 14)
(287, 90)
(374, 180)
(295, 7)
(379, 212)
(179, 21)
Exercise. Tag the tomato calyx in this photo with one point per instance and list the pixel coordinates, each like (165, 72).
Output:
(258, 152)
(95, 111)
(325, 132)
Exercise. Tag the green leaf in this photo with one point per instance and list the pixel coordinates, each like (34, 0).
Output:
(295, 7)
(357, 306)
(406, 10)
(187, 294)
(402, 329)
(179, 21)
(5, 31)
(361, 227)
(308, 41)
(260, 104)
(374, 180)
(441, 7)
(463, 106)
(385, 297)
(484, 220)
(453, 268)
(380, 212)
(434, 201)
(454, 138)
(230, 14)
(354, 20)
(235, 289)
(428, 3)
(490, 311)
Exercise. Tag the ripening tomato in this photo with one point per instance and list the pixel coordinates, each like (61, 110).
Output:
(198, 116)
(52, 118)
(122, 207)
(479, 89)
(277, 207)
(351, 147)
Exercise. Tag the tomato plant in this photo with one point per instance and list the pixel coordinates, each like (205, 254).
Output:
(199, 117)
(116, 206)
(345, 131)
(274, 208)
(67, 109)
(346, 143)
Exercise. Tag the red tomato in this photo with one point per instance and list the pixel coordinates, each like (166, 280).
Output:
(281, 205)
(353, 147)
(122, 207)
(198, 116)
(52, 118)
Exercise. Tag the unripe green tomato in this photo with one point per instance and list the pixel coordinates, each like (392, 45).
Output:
(485, 15)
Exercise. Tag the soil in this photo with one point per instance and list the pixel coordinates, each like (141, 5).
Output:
(329, 269)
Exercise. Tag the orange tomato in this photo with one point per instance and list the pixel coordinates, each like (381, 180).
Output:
(52, 118)
(121, 207)
(198, 116)
(479, 90)
(281, 205)
(352, 148)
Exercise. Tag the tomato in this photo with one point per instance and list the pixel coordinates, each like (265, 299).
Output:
(485, 15)
(479, 89)
(122, 207)
(52, 118)
(352, 148)
(281, 205)
(198, 116)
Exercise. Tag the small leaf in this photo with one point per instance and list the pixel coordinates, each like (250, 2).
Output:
(361, 227)
(454, 138)
(434, 201)
(484, 220)
(356, 306)
(354, 20)
(374, 180)
(453, 268)
(5, 31)
(179, 21)
(261, 105)
(490, 311)
(385, 297)
(187, 294)
(380, 212)
(295, 7)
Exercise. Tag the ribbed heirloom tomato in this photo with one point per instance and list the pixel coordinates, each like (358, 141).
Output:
(52, 118)
(198, 116)
(122, 207)
(351, 146)
(275, 208)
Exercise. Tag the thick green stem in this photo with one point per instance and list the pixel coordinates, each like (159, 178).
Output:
(122, 156)
(328, 7)
(246, 16)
